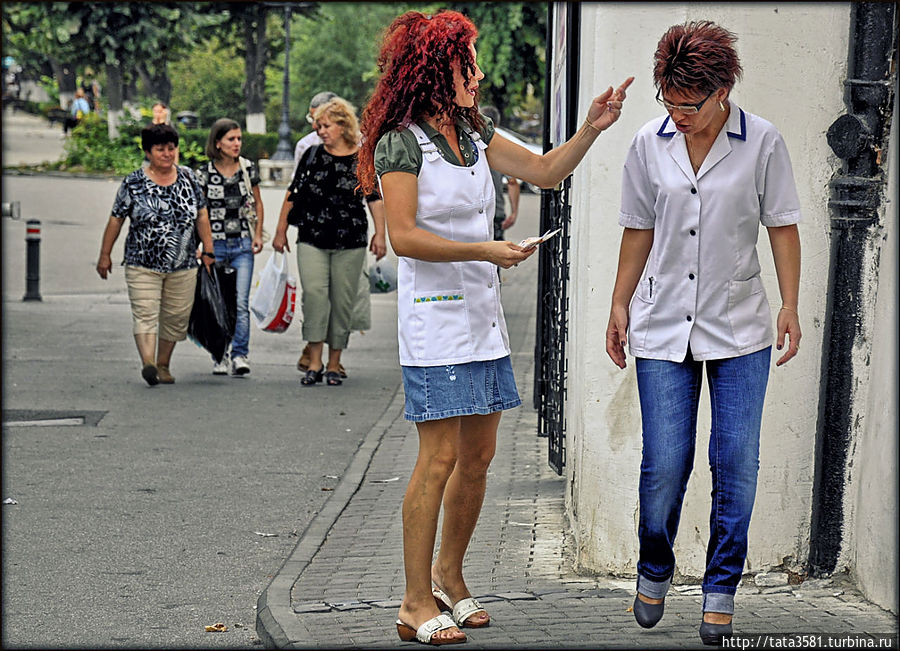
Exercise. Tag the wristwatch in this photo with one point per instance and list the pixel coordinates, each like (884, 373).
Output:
(210, 255)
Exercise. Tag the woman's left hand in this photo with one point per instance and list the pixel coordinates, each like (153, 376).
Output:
(378, 246)
(788, 324)
(257, 245)
(607, 107)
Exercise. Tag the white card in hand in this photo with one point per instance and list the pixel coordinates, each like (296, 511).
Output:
(531, 242)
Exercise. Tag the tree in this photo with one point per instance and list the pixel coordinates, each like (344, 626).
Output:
(511, 50)
(208, 82)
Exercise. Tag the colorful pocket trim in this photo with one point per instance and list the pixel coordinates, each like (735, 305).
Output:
(438, 297)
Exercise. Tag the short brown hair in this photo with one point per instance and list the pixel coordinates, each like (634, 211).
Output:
(696, 56)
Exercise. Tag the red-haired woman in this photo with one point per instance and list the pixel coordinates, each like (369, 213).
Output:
(430, 148)
(697, 184)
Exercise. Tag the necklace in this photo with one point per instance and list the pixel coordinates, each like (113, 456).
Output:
(695, 165)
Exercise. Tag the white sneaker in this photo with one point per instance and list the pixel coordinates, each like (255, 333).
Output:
(222, 367)
(240, 365)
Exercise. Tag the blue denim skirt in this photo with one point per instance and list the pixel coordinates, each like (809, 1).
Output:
(436, 392)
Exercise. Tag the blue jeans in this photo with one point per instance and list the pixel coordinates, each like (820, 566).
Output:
(238, 253)
(669, 394)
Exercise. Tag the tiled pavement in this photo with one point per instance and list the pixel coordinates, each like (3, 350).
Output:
(342, 586)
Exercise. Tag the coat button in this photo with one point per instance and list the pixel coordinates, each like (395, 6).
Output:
(689, 317)
(691, 276)
(693, 232)
(693, 190)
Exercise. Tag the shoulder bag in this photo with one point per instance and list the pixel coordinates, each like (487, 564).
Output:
(248, 208)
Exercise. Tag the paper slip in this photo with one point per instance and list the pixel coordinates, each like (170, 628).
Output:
(532, 242)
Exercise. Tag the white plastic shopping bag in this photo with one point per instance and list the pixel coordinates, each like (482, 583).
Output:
(272, 305)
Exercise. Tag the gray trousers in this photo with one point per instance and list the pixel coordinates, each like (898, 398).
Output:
(330, 282)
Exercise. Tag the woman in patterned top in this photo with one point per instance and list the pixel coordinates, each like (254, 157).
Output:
(331, 237)
(168, 212)
(233, 198)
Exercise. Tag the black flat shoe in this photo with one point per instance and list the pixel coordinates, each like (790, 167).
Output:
(647, 615)
(312, 377)
(713, 634)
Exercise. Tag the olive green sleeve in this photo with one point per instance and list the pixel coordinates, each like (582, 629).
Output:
(398, 151)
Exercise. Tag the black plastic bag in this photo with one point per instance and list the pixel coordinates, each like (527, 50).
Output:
(211, 326)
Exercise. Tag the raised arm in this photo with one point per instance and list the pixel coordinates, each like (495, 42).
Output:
(548, 170)
(400, 190)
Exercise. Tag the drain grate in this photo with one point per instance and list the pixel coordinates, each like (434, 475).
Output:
(51, 417)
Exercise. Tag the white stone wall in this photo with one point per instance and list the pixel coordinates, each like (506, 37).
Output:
(794, 57)
(870, 549)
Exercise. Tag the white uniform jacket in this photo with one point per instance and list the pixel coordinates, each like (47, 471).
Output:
(701, 285)
(450, 312)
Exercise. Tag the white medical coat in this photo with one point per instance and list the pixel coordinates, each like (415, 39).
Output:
(701, 286)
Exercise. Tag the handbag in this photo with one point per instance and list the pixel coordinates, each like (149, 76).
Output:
(248, 208)
(304, 169)
(272, 305)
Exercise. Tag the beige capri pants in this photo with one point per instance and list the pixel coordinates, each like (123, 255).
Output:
(161, 302)
(330, 279)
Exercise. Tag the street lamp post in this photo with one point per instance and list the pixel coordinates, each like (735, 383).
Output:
(285, 151)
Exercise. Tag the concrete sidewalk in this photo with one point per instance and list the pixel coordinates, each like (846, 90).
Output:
(341, 587)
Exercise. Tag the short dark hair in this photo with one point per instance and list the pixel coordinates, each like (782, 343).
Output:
(696, 56)
(158, 134)
(216, 132)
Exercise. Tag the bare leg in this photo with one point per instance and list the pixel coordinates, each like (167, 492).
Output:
(164, 356)
(421, 506)
(146, 345)
(463, 498)
(334, 359)
(315, 355)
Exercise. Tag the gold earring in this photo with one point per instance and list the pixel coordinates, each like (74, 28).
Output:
(721, 106)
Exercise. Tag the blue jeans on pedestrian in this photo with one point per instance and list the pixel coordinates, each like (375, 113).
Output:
(238, 253)
(669, 394)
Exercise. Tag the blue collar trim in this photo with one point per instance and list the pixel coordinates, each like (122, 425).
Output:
(662, 133)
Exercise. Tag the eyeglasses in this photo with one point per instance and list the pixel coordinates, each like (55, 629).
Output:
(682, 108)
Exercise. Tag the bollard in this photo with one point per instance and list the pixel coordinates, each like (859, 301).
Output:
(32, 260)
(12, 209)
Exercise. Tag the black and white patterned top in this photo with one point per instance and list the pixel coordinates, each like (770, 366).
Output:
(227, 197)
(162, 235)
(330, 207)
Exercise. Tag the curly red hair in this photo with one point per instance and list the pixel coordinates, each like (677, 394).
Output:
(696, 56)
(416, 66)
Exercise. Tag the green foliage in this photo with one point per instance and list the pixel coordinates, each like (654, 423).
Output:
(90, 149)
(511, 51)
(208, 82)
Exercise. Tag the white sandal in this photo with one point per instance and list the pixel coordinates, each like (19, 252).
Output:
(462, 610)
(425, 633)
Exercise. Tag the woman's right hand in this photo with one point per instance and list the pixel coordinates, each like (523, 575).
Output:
(280, 241)
(104, 265)
(617, 334)
(506, 254)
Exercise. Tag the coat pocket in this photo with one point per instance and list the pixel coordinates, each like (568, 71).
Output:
(748, 311)
(442, 324)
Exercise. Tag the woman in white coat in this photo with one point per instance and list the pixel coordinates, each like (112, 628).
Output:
(430, 148)
(698, 182)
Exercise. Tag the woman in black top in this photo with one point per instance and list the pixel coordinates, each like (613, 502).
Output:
(332, 231)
